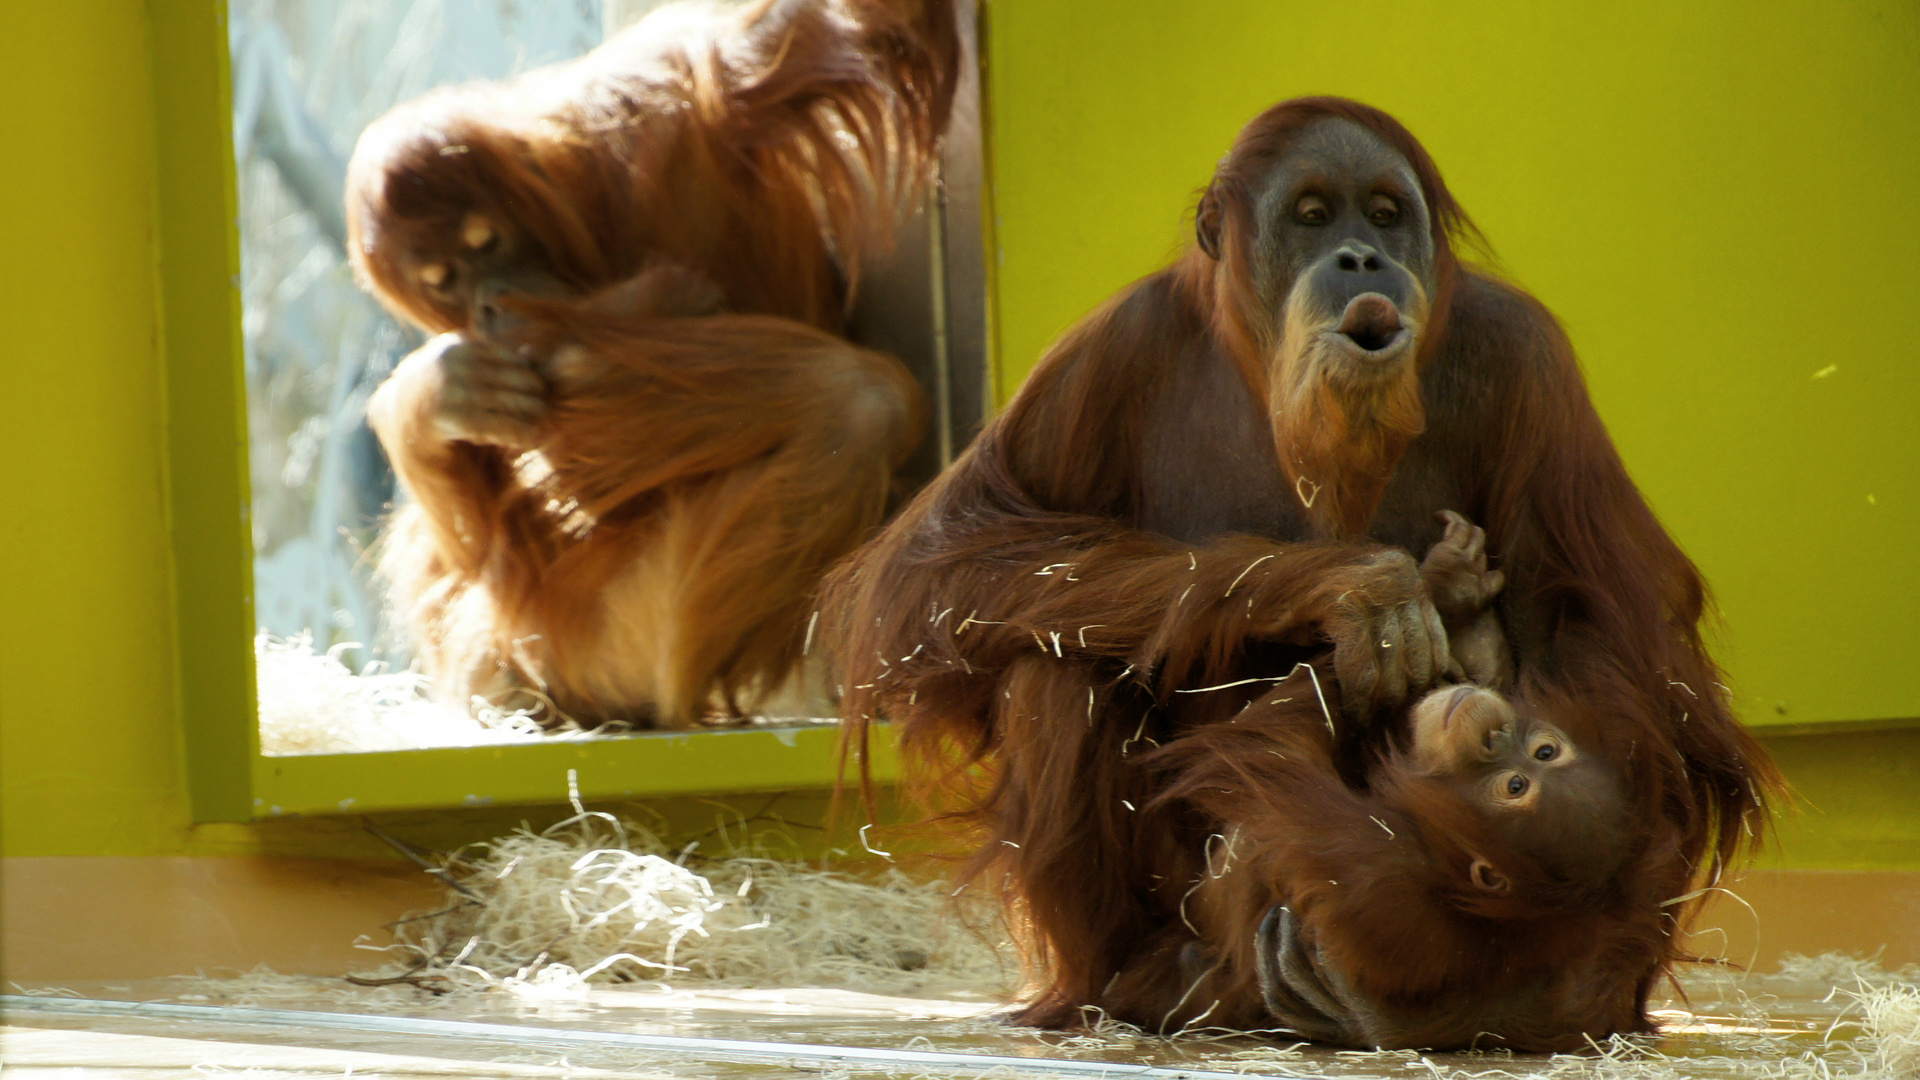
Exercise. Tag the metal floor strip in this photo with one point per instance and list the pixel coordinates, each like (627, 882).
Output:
(743, 1051)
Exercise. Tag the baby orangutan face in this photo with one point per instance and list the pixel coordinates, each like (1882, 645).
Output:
(1473, 735)
(464, 268)
(1540, 795)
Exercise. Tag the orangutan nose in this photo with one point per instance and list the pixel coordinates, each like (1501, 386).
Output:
(1355, 257)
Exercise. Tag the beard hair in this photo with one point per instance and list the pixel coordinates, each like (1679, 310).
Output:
(1339, 436)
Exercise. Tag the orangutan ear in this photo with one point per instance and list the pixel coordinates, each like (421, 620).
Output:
(1207, 222)
(1485, 875)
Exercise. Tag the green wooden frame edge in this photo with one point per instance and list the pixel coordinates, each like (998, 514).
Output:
(664, 764)
(206, 441)
(996, 392)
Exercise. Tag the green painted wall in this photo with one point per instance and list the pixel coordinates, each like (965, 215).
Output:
(88, 738)
(1719, 199)
(123, 621)
(1856, 801)
(1106, 119)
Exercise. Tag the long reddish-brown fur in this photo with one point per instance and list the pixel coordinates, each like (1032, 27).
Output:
(1409, 953)
(655, 558)
(769, 148)
(1127, 534)
(649, 555)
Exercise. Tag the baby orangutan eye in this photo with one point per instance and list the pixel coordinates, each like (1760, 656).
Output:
(1546, 752)
(477, 232)
(1515, 785)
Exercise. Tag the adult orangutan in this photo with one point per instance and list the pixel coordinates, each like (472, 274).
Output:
(1222, 473)
(639, 441)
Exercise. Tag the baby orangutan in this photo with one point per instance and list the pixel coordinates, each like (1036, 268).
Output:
(1483, 842)
(1552, 817)
(1444, 885)
(1546, 802)
(1456, 897)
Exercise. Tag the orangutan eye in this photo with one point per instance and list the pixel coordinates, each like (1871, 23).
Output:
(1311, 210)
(1546, 752)
(477, 233)
(1516, 786)
(1383, 210)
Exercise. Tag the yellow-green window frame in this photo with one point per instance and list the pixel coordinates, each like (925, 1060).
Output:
(206, 442)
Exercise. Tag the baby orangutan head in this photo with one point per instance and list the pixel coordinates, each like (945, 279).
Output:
(1547, 821)
(448, 217)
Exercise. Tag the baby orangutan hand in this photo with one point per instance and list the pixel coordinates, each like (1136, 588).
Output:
(488, 393)
(1463, 589)
(1456, 569)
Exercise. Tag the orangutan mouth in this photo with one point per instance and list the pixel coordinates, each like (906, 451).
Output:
(1372, 328)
